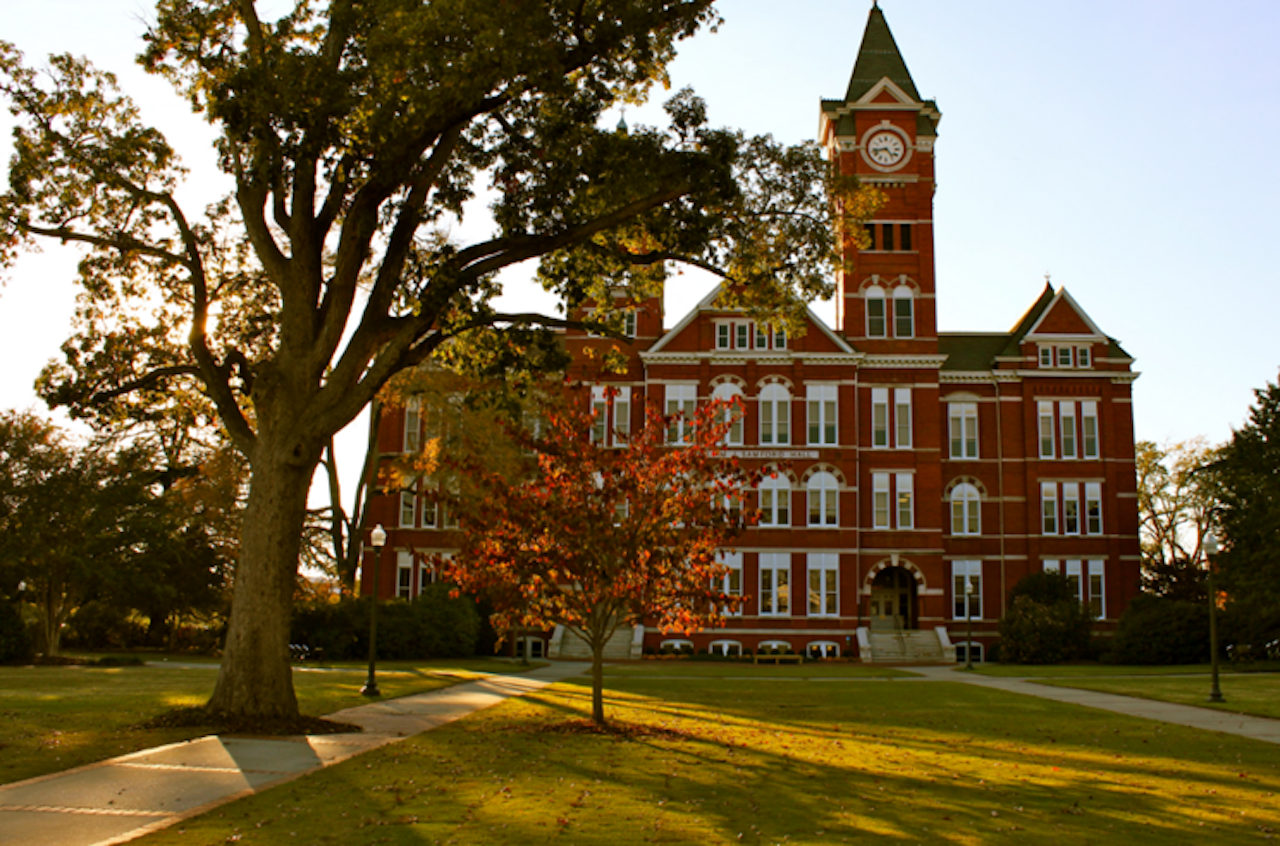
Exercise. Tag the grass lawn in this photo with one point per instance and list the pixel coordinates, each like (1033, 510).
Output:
(1245, 693)
(728, 761)
(1095, 669)
(733, 669)
(56, 718)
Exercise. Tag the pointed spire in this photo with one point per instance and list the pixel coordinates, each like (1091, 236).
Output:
(879, 57)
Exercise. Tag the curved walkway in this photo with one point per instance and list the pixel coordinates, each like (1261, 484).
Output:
(117, 800)
(1209, 719)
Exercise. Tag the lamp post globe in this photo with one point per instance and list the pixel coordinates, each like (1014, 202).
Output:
(1211, 549)
(378, 538)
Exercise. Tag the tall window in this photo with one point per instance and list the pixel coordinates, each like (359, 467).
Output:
(728, 392)
(599, 415)
(409, 505)
(1093, 508)
(962, 419)
(906, 500)
(823, 490)
(775, 416)
(404, 575)
(902, 418)
(1070, 508)
(775, 584)
(824, 571)
(1072, 519)
(876, 326)
(413, 424)
(1049, 508)
(966, 589)
(965, 510)
(1067, 425)
(880, 417)
(1089, 429)
(880, 500)
(629, 323)
(822, 415)
(681, 400)
(887, 419)
(731, 584)
(1087, 579)
(1047, 435)
(892, 499)
(622, 418)
(903, 313)
(724, 336)
(775, 501)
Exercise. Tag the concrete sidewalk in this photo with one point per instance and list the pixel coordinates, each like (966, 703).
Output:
(117, 800)
(1209, 719)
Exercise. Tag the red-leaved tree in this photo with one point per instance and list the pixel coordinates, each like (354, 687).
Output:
(596, 538)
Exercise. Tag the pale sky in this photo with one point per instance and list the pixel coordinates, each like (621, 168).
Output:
(1123, 146)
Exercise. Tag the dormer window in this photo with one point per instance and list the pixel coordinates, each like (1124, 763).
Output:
(748, 335)
(1065, 356)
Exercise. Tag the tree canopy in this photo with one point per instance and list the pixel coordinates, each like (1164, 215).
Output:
(1247, 476)
(596, 538)
(355, 133)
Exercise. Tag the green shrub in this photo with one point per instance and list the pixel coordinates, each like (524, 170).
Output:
(434, 625)
(1156, 630)
(101, 625)
(16, 643)
(1046, 623)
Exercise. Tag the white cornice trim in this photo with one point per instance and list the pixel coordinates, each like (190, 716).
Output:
(1073, 374)
(904, 361)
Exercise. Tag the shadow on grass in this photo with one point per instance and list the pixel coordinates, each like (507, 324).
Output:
(808, 763)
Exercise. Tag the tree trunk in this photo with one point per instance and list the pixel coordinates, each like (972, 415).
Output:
(597, 680)
(256, 678)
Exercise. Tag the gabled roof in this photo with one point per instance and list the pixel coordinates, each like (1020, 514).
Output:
(1053, 313)
(1063, 316)
(879, 58)
(708, 303)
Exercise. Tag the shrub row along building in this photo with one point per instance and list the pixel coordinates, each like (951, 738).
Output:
(926, 472)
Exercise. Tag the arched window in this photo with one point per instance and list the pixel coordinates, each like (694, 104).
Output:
(775, 416)
(875, 312)
(728, 392)
(775, 501)
(726, 647)
(966, 510)
(823, 490)
(904, 322)
(822, 649)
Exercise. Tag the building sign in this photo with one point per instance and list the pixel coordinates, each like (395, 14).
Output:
(771, 453)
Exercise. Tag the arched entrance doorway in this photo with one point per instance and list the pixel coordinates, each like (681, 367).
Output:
(893, 600)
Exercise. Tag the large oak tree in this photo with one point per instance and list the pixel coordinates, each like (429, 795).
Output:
(355, 131)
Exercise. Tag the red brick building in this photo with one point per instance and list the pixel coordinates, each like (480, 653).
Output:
(928, 472)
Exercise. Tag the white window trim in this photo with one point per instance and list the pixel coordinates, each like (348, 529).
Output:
(963, 572)
(825, 565)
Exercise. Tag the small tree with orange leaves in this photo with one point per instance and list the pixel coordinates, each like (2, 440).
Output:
(597, 538)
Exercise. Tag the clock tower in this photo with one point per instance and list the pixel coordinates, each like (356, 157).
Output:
(883, 132)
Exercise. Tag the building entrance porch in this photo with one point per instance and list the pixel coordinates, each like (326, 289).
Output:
(893, 602)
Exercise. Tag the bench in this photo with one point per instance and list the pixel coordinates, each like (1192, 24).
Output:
(778, 658)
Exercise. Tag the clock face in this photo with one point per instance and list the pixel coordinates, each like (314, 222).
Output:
(886, 148)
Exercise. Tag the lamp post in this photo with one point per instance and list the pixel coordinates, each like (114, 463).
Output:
(968, 616)
(1210, 550)
(378, 537)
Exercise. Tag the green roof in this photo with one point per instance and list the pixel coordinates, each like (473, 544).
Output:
(969, 352)
(877, 58)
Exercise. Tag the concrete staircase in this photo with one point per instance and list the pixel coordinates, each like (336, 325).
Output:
(623, 646)
(904, 647)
